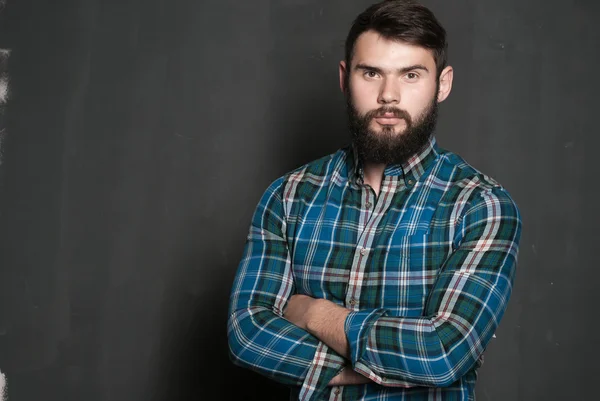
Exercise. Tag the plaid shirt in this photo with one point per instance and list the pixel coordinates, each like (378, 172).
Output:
(426, 269)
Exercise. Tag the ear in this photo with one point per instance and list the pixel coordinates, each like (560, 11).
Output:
(343, 72)
(446, 78)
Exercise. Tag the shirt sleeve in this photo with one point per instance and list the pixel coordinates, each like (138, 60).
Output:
(259, 337)
(462, 313)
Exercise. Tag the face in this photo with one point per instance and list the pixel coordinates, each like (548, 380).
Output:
(392, 92)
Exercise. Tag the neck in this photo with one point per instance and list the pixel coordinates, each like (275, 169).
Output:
(373, 174)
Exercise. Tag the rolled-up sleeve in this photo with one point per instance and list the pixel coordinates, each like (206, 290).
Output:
(462, 313)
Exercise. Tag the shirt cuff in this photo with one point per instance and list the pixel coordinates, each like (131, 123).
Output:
(357, 327)
(325, 366)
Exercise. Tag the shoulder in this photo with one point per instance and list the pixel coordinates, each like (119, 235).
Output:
(470, 188)
(317, 174)
(312, 174)
(321, 167)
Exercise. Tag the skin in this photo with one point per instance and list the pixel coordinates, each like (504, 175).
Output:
(325, 320)
(382, 73)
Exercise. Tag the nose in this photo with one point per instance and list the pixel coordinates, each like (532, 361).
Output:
(389, 92)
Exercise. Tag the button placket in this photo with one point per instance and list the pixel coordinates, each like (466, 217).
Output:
(367, 231)
(368, 204)
(335, 395)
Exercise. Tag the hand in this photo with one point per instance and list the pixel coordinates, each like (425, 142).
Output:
(348, 377)
(297, 310)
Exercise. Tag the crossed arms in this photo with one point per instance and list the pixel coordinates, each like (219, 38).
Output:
(324, 320)
(307, 342)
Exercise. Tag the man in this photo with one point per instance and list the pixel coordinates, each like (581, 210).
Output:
(380, 271)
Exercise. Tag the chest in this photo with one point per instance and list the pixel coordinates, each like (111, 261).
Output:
(363, 251)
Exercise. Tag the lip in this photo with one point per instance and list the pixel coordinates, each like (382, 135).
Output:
(391, 120)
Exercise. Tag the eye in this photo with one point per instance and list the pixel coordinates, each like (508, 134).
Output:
(371, 74)
(412, 76)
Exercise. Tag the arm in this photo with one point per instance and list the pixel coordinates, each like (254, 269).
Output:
(259, 338)
(461, 315)
(325, 320)
(322, 318)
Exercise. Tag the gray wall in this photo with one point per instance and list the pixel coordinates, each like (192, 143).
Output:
(142, 133)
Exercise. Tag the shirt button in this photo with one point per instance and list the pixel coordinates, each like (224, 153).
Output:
(383, 379)
(337, 391)
(368, 205)
(352, 302)
(363, 251)
(410, 182)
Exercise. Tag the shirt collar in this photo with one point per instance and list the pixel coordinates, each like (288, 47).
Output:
(411, 170)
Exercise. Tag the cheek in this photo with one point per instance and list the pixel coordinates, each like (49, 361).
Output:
(364, 96)
(416, 101)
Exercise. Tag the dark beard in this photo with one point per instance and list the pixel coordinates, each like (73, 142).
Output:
(388, 147)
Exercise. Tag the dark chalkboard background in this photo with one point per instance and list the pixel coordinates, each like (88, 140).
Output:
(141, 135)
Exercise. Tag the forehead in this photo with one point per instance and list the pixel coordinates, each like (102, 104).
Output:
(373, 49)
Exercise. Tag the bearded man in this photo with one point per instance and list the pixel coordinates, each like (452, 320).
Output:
(381, 271)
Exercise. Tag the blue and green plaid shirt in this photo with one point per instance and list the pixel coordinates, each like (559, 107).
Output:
(426, 269)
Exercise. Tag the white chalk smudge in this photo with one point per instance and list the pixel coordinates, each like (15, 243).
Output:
(4, 53)
(3, 395)
(4, 91)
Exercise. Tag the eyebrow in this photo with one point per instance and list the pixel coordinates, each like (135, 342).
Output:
(402, 70)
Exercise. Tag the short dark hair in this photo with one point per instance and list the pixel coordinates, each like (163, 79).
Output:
(403, 21)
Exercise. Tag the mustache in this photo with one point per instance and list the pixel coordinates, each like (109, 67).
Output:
(396, 112)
